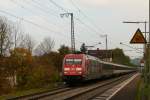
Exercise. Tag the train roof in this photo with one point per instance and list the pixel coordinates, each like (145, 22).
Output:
(95, 58)
(74, 55)
(109, 63)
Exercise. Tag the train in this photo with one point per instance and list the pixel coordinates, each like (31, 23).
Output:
(82, 67)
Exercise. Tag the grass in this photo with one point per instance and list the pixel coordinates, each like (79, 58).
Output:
(139, 90)
(26, 92)
(143, 92)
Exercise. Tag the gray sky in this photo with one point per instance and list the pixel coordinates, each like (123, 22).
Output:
(92, 18)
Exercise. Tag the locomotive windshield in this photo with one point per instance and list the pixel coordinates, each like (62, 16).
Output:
(73, 61)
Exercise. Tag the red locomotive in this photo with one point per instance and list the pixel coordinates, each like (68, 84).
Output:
(79, 67)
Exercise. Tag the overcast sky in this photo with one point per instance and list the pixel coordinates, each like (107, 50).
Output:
(92, 18)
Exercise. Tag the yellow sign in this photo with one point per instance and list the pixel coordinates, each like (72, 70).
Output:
(138, 38)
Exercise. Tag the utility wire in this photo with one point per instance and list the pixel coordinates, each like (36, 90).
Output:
(55, 5)
(81, 11)
(37, 25)
(28, 21)
(38, 5)
(137, 49)
(89, 19)
(58, 6)
(31, 11)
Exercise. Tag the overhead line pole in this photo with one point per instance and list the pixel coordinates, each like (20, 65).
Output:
(72, 34)
(72, 30)
(106, 43)
(148, 54)
(106, 40)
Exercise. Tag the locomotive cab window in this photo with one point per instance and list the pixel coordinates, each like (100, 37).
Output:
(73, 61)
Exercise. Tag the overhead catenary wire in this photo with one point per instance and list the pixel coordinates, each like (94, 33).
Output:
(39, 7)
(81, 22)
(89, 20)
(31, 11)
(60, 7)
(84, 14)
(47, 12)
(28, 21)
(37, 25)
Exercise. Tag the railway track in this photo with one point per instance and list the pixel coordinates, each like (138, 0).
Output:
(86, 92)
(41, 94)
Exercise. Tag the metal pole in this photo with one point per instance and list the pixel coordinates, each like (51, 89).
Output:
(106, 48)
(149, 43)
(149, 51)
(145, 30)
(149, 22)
(72, 34)
(72, 31)
(145, 57)
(106, 43)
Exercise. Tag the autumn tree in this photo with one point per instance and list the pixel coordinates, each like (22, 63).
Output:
(18, 36)
(21, 59)
(27, 42)
(5, 36)
(63, 50)
(45, 46)
(5, 85)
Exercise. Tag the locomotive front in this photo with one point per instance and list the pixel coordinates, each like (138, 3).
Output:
(73, 67)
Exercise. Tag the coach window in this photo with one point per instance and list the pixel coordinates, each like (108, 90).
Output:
(73, 61)
(77, 61)
(94, 65)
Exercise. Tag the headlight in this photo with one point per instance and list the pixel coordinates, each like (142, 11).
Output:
(66, 69)
(78, 69)
(65, 72)
(79, 72)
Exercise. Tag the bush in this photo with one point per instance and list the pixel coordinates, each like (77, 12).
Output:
(5, 86)
(42, 76)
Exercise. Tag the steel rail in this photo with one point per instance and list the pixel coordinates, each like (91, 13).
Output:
(79, 92)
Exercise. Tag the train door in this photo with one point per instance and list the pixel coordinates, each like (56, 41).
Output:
(87, 68)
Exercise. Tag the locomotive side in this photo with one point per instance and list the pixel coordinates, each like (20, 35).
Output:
(80, 67)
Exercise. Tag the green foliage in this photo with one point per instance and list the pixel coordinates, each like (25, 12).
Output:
(63, 50)
(83, 49)
(143, 91)
(5, 86)
(5, 72)
(120, 58)
(39, 76)
(78, 52)
(21, 60)
(32, 72)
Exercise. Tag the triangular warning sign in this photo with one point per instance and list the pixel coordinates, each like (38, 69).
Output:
(138, 37)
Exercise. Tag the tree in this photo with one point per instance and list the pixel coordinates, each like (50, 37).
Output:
(120, 58)
(27, 42)
(83, 49)
(17, 36)
(45, 46)
(5, 36)
(21, 60)
(63, 50)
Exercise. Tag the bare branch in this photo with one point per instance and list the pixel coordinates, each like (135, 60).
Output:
(45, 46)
(27, 42)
